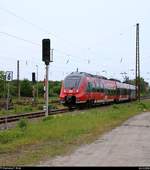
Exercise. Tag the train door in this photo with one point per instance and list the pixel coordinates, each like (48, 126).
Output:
(102, 92)
(90, 93)
(89, 90)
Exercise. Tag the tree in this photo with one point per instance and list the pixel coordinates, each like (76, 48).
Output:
(41, 89)
(2, 84)
(26, 88)
(143, 84)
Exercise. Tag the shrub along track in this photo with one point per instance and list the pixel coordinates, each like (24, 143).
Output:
(4, 120)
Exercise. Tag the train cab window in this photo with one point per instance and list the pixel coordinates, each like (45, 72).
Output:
(72, 82)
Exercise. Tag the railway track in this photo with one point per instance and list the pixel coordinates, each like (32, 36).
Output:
(14, 118)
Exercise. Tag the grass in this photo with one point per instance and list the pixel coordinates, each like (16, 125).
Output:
(25, 105)
(62, 133)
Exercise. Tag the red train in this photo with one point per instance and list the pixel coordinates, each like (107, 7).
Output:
(83, 88)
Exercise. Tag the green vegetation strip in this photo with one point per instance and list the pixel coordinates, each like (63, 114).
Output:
(29, 143)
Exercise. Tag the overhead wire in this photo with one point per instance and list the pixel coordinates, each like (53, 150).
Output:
(19, 38)
(37, 44)
(43, 30)
(34, 25)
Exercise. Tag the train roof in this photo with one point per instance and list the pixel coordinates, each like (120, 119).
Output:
(86, 74)
(115, 80)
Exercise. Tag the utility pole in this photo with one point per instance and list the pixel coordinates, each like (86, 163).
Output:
(137, 78)
(18, 84)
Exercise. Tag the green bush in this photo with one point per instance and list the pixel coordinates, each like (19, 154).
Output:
(115, 106)
(7, 136)
(142, 106)
(28, 109)
(23, 124)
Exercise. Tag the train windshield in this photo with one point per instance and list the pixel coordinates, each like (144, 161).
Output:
(72, 82)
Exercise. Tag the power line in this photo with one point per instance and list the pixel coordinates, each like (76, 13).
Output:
(23, 19)
(39, 28)
(19, 38)
(32, 24)
(34, 43)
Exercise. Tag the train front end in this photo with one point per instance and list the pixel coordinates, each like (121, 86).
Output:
(71, 90)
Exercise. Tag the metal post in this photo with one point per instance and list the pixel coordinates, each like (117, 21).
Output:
(5, 86)
(7, 106)
(47, 96)
(37, 93)
(33, 93)
(18, 85)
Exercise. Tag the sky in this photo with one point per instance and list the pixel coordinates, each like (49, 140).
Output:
(95, 36)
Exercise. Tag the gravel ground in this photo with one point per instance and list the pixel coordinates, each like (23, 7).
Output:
(127, 145)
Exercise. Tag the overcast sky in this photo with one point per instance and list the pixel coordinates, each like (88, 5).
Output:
(95, 36)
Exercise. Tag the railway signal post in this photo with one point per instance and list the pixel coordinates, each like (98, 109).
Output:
(33, 88)
(46, 58)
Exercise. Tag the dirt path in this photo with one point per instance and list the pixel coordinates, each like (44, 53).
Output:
(127, 145)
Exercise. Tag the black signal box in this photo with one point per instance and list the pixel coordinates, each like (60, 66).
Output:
(33, 78)
(46, 51)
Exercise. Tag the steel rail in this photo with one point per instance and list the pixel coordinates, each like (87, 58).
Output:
(14, 118)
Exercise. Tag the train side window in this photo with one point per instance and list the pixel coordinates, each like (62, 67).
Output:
(97, 87)
(101, 86)
(89, 87)
(112, 92)
(109, 92)
(94, 89)
(115, 92)
(121, 92)
(106, 91)
(118, 91)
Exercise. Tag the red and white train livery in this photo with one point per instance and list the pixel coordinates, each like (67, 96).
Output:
(79, 87)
